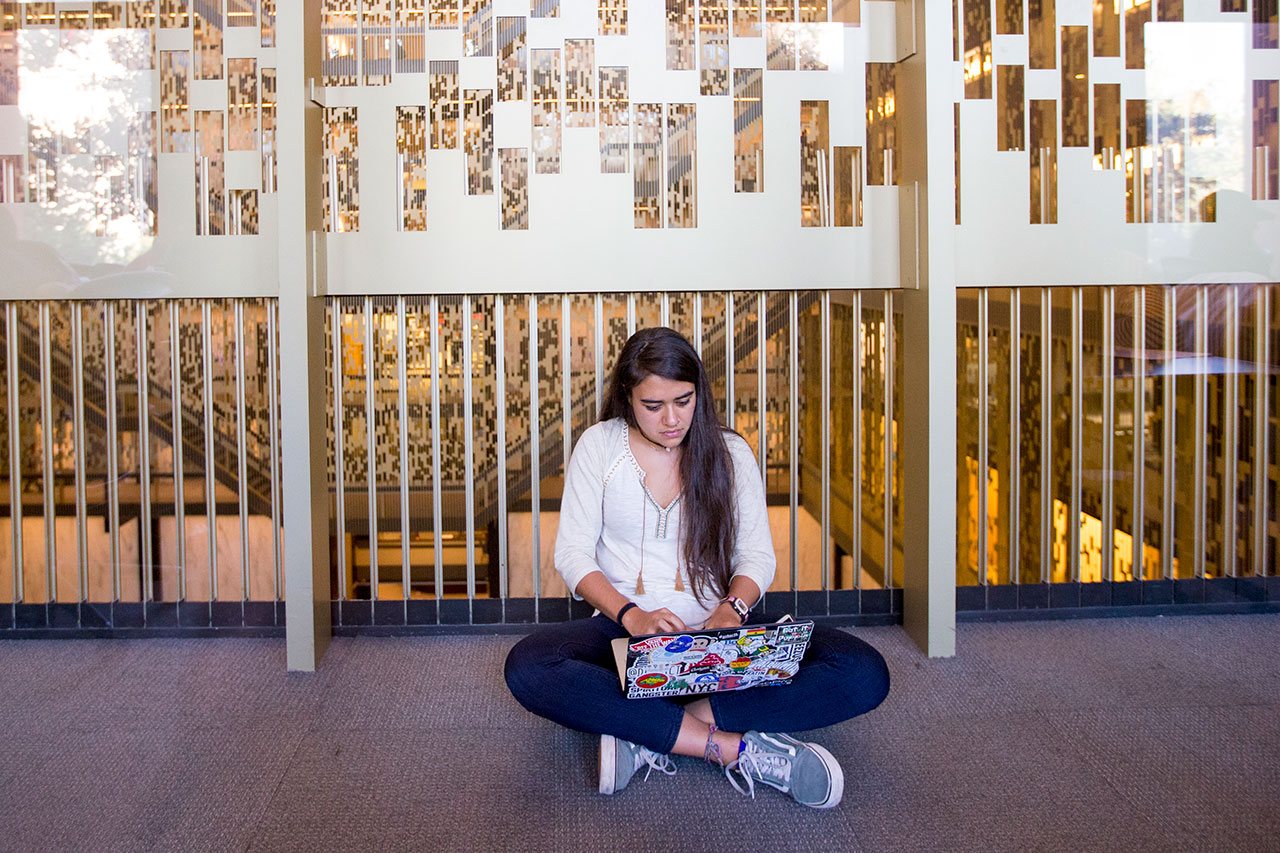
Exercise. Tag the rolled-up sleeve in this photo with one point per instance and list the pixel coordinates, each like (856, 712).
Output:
(753, 553)
(581, 510)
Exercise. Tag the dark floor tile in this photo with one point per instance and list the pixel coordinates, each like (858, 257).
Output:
(260, 614)
(133, 614)
(6, 617)
(971, 598)
(1033, 596)
(1188, 591)
(357, 612)
(1126, 593)
(875, 601)
(95, 615)
(553, 610)
(488, 611)
(421, 612)
(844, 602)
(1064, 594)
(455, 611)
(1220, 590)
(1157, 592)
(389, 612)
(64, 615)
(519, 610)
(157, 614)
(335, 614)
(811, 603)
(1002, 597)
(1251, 589)
(31, 616)
(895, 600)
(193, 614)
(1095, 595)
(227, 614)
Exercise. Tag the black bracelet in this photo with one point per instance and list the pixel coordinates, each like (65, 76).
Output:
(625, 608)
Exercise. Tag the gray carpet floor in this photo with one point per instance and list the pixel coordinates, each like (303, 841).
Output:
(1135, 734)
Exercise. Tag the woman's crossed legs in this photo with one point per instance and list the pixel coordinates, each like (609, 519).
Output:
(566, 673)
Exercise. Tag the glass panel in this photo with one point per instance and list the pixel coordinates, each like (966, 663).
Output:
(999, 474)
(968, 395)
(1030, 377)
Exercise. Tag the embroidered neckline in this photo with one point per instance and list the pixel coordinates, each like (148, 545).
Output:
(641, 474)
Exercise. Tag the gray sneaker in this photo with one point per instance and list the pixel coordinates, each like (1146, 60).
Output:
(620, 759)
(806, 771)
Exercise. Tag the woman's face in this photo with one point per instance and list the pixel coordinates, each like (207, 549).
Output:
(663, 409)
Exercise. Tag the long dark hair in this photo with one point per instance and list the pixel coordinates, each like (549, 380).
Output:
(706, 471)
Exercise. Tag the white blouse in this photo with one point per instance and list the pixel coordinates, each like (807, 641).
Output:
(609, 522)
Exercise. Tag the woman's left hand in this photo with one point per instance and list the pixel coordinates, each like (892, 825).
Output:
(723, 616)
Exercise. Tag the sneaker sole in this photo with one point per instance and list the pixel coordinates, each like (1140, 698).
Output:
(608, 763)
(837, 778)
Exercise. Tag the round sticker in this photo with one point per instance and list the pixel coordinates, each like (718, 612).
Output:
(679, 644)
(652, 680)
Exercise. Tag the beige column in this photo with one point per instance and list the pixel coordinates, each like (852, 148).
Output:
(925, 128)
(302, 388)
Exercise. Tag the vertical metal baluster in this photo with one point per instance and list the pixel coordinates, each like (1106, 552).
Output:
(793, 428)
(468, 454)
(1139, 429)
(1108, 432)
(336, 312)
(46, 424)
(664, 309)
(210, 482)
(984, 330)
(697, 322)
(856, 484)
(1077, 417)
(1015, 429)
(273, 416)
(730, 402)
(1201, 392)
(1046, 430)
(1261, 425)
(1230, 464)
(242, 449)
(179, 478)
(500, 368)
(890, 456)
(535, 449)
(77, 425)
(402, 400)
(371, 442)
(141, 344)
(826, 443)
(566, 384)
(113, 451)
(436, 498)
(1170, 428)
(631, 314)
(15, 448)
(762, 333)
(599, 348)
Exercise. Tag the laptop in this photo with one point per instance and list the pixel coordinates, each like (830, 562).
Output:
(695, 662)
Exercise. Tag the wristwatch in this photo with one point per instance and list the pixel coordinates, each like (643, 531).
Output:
(739, 606)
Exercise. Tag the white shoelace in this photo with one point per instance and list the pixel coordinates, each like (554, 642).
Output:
(661, 763)
(749, 768)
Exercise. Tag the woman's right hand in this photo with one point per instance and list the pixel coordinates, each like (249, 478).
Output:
(661, 621)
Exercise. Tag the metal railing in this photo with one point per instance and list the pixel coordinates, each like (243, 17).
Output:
(1117, 434)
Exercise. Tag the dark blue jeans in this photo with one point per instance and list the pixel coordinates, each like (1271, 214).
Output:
(566, 673)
